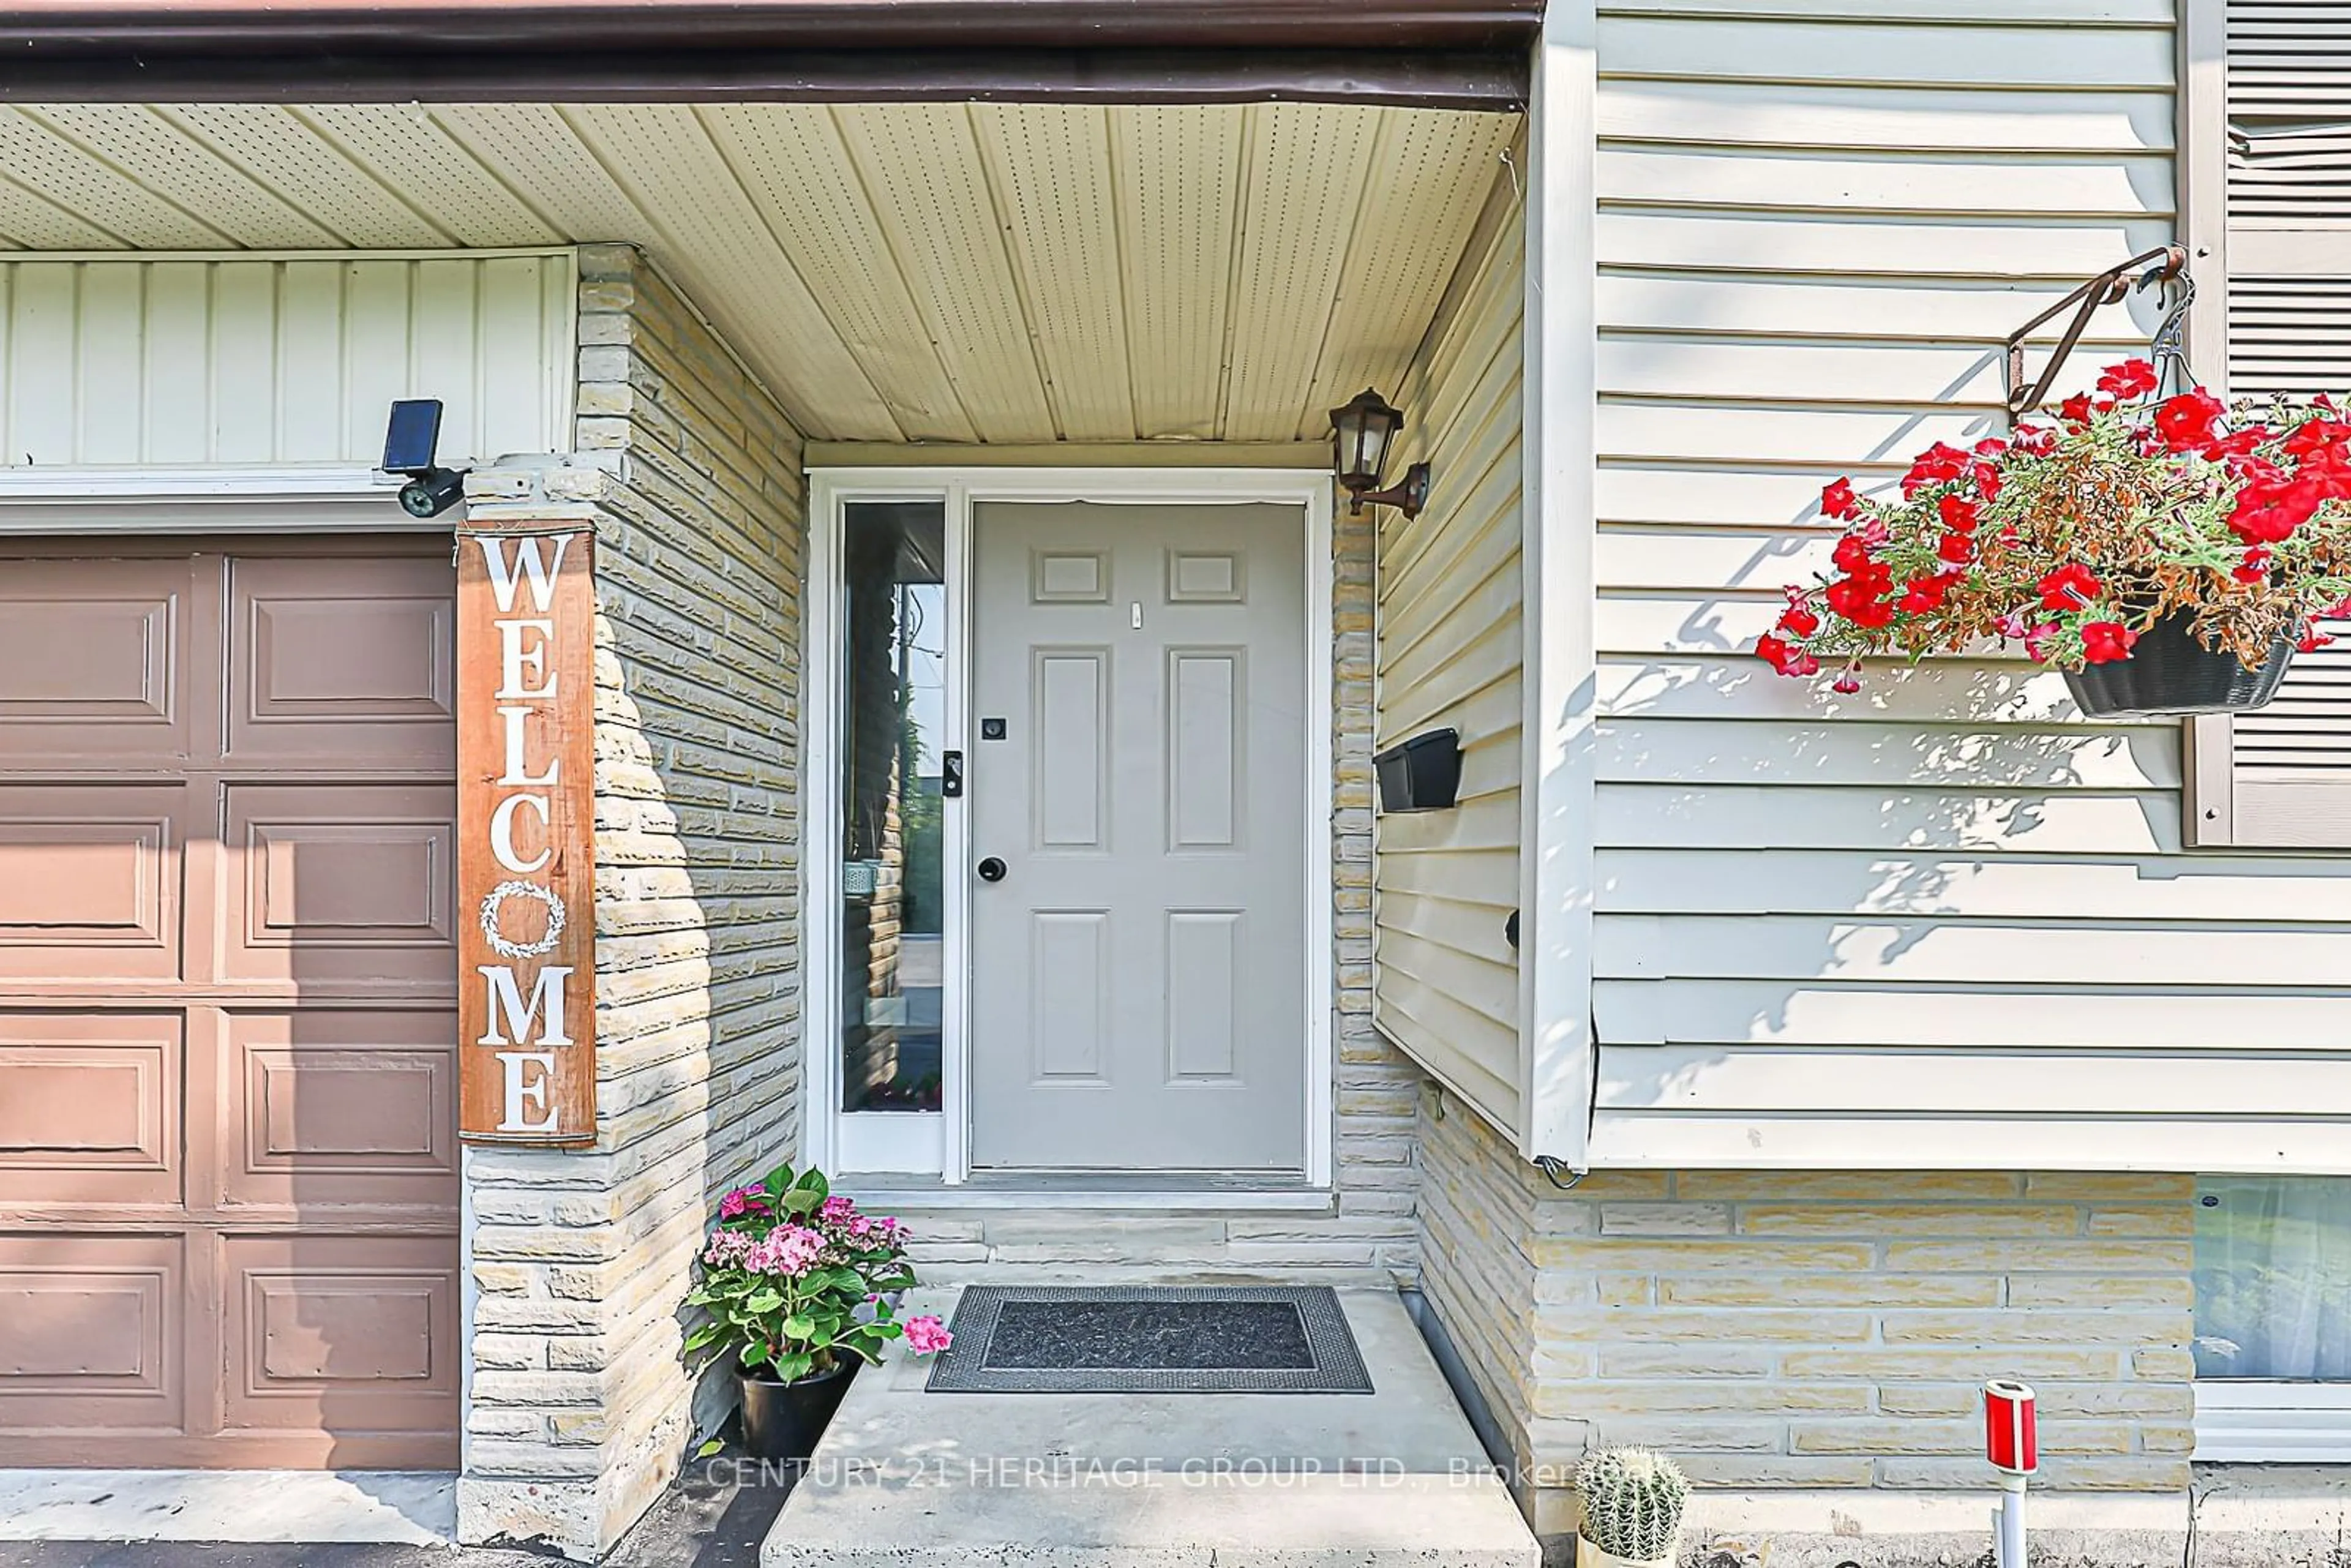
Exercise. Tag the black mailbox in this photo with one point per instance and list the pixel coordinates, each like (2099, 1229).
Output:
(1422, 774)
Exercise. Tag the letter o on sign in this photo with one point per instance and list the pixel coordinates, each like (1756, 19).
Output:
(2012, 1439)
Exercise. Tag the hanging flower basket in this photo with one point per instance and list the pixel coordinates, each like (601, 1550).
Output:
(2170, 675)
(2168, 555)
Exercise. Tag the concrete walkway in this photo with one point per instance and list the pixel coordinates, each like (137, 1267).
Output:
(715, 1518)
(907, 1478)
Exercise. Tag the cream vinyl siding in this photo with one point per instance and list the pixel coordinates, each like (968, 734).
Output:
(1945, 923)
(280, 362)
(1450, 647)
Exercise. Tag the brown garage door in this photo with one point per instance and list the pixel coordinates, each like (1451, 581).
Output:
(228, 1175)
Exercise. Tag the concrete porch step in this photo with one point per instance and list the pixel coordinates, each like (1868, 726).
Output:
(907, 1478)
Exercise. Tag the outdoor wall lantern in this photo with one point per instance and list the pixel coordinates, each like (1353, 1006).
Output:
(1360, 433)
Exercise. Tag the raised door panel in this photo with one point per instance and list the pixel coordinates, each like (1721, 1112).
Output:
(340, 883)
(341, 1106)
(89, 882)
(90, 1337)
(354, 1337)
(90, 1106)
(343, 662)
(94, 663)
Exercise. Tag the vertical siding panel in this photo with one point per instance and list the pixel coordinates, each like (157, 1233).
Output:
(311, 361)
(244, 388)
(443, 350)
(44, 365)
(113, 390)
(376, 344)
(250, 362)
(179, 330)
(513, 396)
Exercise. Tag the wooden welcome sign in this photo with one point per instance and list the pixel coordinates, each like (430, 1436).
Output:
(526, 834)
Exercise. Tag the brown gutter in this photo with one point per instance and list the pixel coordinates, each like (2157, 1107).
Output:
(1452, 53)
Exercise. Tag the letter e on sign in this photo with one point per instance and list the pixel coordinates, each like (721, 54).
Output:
(527, 835)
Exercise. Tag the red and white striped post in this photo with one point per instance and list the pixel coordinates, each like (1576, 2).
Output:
(2012, 1443)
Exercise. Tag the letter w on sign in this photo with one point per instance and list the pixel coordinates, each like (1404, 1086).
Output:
(527, 835)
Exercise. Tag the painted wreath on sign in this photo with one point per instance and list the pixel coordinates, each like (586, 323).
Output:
(2075, 540)
(493, 905)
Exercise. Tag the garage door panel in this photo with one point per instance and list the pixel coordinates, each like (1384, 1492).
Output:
(342, 883)
(354, 1336)
(345, 662)
(90, 1107)
(90, 1334)
(93, 661)
(89, 882)
(344, 1106)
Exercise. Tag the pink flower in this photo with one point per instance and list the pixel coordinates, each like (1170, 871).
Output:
(926, 1334)
(790, 1250)
(837, 1210)
(741, 1201)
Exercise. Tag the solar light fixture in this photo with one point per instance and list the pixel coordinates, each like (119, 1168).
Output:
(410, 444)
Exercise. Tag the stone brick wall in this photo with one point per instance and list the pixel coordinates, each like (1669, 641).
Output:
(582, 1411)
(1818, 1330)
(1367, 1226)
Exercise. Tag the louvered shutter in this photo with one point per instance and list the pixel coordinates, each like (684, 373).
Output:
(2280, 777)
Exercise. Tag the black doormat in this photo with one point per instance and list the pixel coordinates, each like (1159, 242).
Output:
(1172, 1339)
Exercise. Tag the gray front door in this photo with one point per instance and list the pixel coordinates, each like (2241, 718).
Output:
(1138, 970)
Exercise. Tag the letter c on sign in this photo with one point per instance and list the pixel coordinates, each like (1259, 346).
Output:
(502, 843)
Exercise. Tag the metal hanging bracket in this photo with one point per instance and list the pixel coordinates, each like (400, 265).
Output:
(2164, 265)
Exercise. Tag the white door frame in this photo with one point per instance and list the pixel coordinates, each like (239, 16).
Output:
(919, 1143)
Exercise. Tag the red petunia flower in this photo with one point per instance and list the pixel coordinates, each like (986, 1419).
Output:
(2312, 639)
(1800, 621)
(1957, 548)
(2071, 587)
(2075, 410)
(1852, 553)
(1861, 598)
(1838, 500)
(2268, 514)
(2132, 378)
(1924, 595)
(2188, 423)
(1939, 464)
(1958, 514)
(2104, 641)
(1848, 680)
(1786, 659)
(2254, 568)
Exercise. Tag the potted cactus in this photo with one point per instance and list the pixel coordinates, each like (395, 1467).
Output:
(1632, 1502)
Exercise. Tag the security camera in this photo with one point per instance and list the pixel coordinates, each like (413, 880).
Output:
(409, 447)
(432, 492)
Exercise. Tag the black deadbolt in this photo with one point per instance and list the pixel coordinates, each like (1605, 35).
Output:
(992, 869)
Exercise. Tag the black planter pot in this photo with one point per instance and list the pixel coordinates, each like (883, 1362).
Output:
(2169, 674)
(784, 1421)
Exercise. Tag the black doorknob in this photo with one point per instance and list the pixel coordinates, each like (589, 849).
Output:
(992, 869)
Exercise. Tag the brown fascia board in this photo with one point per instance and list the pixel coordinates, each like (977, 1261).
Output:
(1444, 53)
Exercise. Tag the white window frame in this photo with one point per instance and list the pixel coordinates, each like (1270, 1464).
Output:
(920, 1143)
(2251, 1421)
